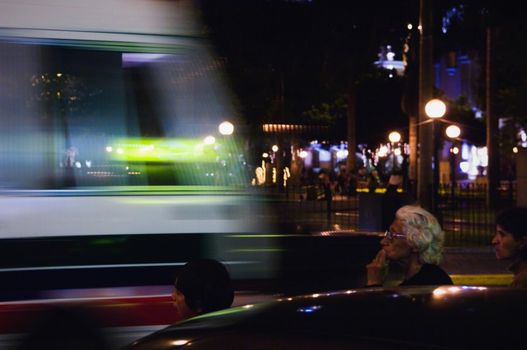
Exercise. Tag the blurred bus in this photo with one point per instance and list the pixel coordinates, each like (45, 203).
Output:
(114, 169)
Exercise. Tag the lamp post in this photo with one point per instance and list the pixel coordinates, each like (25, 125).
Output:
(435, 109)
(453, 132)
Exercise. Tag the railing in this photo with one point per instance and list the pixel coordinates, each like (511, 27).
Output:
(310, 207)
(463, 210)
(466, 215)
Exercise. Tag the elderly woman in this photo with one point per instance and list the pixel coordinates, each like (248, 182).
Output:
(415, 241)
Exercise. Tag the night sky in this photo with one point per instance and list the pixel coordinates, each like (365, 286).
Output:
(284, 57)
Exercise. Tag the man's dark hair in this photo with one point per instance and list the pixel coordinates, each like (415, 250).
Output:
(513, 221)
(206, 285)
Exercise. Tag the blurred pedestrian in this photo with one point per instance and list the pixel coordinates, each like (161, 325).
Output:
(202, 286)
(374, 181)
(392, 200)
(342, 181)
(510, 242)
(415, 241)
(353, 183)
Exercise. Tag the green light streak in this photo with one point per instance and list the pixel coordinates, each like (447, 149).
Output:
(233, 310)
(161, 189)
(174, 44)
(162, 150)
(104, 241)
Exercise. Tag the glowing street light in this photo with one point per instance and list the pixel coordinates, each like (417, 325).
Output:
(435, 109)
(275, 148)
(209, 140)
(226, 128)
(453, 131)
(394, 137)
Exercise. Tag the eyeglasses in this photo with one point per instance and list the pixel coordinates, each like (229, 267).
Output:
(391, 235)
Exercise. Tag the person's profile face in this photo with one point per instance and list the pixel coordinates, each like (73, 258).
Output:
(181, 306)
(395, 244)
(505, 245)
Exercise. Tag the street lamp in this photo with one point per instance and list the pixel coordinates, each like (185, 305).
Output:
(435, 109)
(394, 138)
(226, 128)
(453, 132)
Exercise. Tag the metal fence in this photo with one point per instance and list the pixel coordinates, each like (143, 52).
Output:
(463, 210)
(466, 215)
(308, 206)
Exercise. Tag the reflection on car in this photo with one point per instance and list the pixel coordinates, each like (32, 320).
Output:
(427, 317)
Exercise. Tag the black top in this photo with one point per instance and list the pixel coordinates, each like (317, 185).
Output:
(428, 275)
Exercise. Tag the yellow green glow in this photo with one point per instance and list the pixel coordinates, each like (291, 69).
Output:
(104, 241)
(233, 310)
(484, 279)
(162, 150)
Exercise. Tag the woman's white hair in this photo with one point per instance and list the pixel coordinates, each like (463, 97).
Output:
(422, 232)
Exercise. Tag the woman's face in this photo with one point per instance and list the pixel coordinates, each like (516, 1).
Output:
(505, 245)
(181, 306)
(397, 247)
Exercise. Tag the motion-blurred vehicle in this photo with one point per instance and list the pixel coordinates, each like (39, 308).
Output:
(121, 155)
(444, 317)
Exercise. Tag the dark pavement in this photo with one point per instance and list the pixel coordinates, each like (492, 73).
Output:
(476, 266)
(475, 260)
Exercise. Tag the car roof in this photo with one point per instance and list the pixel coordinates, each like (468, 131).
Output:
(444, 316)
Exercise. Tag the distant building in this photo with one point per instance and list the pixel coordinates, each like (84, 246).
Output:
(387, 61)
(458, 75)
